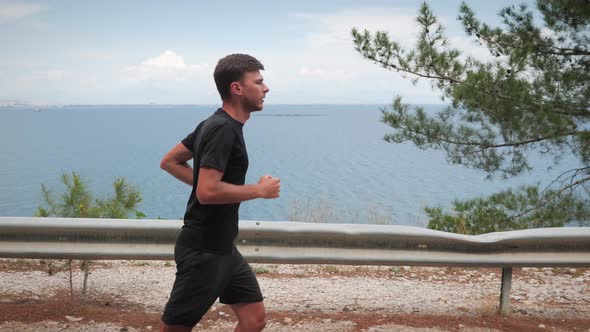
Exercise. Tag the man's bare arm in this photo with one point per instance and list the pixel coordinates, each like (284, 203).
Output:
(211, 190)
(175, 162)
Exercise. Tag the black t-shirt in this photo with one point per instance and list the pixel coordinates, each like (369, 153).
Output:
(217, 142)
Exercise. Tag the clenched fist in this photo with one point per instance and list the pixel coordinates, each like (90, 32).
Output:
(269, 187)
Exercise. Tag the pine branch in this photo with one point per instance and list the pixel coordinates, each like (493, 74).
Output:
(392, 66)
(550, 198)
(486, 146)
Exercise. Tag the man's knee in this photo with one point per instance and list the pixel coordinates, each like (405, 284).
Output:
(253, 323)
(261, 323)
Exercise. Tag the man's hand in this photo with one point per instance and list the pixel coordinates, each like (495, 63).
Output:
(269, 187)
(175, 163)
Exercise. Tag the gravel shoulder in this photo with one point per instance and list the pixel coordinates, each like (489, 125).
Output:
(129, 296)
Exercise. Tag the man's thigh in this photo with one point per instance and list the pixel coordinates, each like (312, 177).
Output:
(243, 286)
(200, 279)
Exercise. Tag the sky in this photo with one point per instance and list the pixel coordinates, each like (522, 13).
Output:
(164, 52)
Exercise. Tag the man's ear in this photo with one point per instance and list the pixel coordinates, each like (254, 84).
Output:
(235, 88)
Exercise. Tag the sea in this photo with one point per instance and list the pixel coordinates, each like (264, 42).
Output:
(332, 160)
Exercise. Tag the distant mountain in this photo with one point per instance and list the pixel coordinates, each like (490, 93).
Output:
(13, 103)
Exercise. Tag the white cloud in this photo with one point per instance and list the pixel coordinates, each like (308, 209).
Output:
(325, 68)
(93, 55)
(324, 74)
(49, 74)
(12, 10)
(169, 66)
(469, 47)
(335, 28)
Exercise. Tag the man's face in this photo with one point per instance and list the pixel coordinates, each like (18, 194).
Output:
(253, 91)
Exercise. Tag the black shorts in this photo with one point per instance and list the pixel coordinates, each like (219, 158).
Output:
(203, 277)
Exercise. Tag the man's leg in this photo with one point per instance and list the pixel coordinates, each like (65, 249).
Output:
(251, 316)
(175, 328)
(244, 297)
(199, 281)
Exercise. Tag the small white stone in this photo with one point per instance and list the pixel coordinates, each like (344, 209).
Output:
(541, 326)
(287, 320)
(74, 319)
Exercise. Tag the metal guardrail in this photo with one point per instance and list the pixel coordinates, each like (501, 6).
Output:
(302, 243)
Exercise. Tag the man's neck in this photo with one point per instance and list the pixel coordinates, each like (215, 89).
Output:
(236, 111)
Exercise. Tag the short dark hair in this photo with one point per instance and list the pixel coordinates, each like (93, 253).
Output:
(231, 69)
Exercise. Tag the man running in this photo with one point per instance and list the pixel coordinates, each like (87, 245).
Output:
(208, 264)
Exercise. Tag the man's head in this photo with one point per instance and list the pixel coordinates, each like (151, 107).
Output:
(232, 69)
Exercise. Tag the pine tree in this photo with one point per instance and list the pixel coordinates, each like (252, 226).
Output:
(532, 98)
(76, 201)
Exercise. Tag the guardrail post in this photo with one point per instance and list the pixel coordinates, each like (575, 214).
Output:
(505, 290)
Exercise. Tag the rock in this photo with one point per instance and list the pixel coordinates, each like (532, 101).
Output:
(124, 329)
(149, 327)
(328, 320)
(541, 326)
(74, 319)
(287, 320)
(461, 326)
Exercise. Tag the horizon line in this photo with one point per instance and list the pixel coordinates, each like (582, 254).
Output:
(25, 105)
